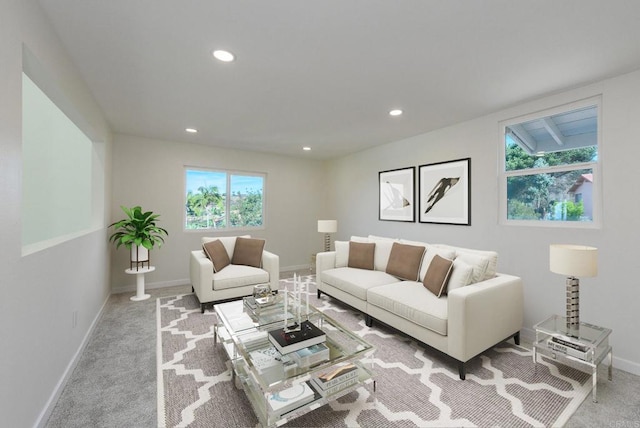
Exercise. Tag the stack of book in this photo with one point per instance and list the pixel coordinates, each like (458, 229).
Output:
(289, 399)
(570, 348)
(287, 342)
(268, 363)
(311, 356)
(337, 379)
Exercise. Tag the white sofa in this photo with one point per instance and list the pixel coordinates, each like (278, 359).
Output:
(481, 309)
(234, 280)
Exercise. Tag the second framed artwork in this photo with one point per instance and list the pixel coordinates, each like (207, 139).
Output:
(445, 192)
(397, 190)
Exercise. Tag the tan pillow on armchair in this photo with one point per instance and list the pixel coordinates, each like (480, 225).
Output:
(216, 252)
(248, 252)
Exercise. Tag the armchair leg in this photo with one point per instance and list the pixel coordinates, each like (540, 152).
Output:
(516, 338)
(319, 293)
(462, 370)
(202, 308)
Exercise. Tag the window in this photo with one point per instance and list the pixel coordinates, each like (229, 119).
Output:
(550, 167)
(224, 200)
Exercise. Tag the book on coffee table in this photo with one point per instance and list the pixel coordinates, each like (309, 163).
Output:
(336, 376)
(308, 335)
(291, 398)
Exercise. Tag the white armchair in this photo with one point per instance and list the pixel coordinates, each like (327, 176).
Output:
(234, 280)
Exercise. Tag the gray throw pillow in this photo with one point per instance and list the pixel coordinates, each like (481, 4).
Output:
(248, 252)
(404, 261)
(216, 252)
(361, 255)
(435, 280)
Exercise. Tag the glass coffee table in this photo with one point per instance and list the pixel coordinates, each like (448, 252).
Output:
(587, 344)
(281, 387)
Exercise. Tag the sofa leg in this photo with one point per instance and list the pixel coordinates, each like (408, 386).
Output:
(368, 320)
(462, 370)
(193, 290)
(319, 293)
(202, 308)
(516, 338)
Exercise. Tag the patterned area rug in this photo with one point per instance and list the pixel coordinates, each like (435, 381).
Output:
(416, 385)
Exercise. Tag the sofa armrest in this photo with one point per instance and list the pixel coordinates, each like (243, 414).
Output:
(324, 261)
(271, 263)
(200, 272)
(483, 314)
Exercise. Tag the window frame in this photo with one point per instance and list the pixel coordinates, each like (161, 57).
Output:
(504, 175)
(228, 174)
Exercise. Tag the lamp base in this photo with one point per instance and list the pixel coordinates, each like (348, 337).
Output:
(573, 303)
(327, 242)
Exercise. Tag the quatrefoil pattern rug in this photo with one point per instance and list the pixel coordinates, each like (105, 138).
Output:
(416, 385)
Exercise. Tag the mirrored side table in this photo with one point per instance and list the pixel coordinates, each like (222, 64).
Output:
(587, 345)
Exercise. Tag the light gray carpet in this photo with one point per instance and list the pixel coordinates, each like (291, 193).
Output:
(127, 328)
(416, 386)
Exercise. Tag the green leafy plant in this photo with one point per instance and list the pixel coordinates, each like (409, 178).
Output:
(139, 228)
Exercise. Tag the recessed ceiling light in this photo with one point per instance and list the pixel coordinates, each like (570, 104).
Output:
(395, 112)
(306, 149)
(191, 130)
(224, 56)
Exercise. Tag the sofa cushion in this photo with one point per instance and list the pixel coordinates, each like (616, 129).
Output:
(239, 275)
(215, 251)
(248, 252)
(356, 281)
(479, 264)
(461, 275)
(410, 300)
(383, 250)
(430, 254)
(435, 280)
(342, 253)
(492, 257)
(361, 255)
(404, 261)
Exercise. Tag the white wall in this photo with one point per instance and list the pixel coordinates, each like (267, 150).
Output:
(150, 173)
(41, 291)
(611, 298)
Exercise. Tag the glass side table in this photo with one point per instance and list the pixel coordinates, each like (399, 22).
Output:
(587, 345)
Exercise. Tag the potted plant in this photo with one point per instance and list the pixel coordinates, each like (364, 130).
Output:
(139, 233)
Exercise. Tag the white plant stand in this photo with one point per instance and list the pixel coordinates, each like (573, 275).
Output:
(139, 273)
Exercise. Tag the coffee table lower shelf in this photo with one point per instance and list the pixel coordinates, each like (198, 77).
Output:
(260, 405)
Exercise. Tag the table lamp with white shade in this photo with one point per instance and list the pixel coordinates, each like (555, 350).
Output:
(327, 227)
(573, 261)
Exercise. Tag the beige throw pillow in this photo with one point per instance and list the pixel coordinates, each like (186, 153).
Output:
(248, 252)
(460, 276)
(404, 261)
(215, 251)
(361, 255)
(435, 280)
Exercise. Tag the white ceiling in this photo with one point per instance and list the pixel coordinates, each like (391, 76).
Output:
(325, 73)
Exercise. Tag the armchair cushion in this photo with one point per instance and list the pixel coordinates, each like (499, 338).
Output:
(234, 276)
(216, 252)
(248, 252)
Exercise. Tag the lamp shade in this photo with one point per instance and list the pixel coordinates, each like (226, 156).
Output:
(573, 260)
(327, 226)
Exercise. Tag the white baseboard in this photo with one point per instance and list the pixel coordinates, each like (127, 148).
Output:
(44, 415)
(149, 286)
(162, 284)
(296, 267)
